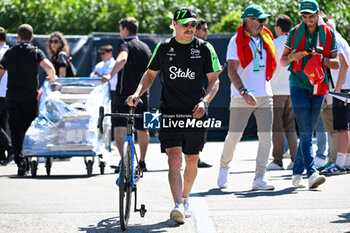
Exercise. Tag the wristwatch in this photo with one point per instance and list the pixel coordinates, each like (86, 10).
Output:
(242, 91)
(206, 103)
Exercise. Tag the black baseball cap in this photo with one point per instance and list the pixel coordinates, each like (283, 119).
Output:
(185, 15)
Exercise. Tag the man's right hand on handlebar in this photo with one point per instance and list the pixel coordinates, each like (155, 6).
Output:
(133, 100)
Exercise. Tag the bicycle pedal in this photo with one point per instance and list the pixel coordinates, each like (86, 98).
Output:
(143, 211)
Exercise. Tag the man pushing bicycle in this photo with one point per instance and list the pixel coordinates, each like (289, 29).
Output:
(185, 63)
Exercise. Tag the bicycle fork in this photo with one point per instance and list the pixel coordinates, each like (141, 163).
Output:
(134, 179)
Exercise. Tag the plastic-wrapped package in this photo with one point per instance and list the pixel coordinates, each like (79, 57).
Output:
(63, 127)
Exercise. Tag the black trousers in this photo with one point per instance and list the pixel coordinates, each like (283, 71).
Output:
(21, 116)
(5, 142)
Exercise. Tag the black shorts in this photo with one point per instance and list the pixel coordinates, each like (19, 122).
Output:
(121, 107)
(341, 114)
(191, 142)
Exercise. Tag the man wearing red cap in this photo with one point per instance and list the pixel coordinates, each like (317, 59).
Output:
(251, 62)
(300, 47)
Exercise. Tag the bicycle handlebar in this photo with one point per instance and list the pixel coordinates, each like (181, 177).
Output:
(124, 115)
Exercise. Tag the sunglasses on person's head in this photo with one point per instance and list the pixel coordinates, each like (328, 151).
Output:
(54, 41)
(192, 24)
(259, 20)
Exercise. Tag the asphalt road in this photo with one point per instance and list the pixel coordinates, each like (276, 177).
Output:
(69, 201)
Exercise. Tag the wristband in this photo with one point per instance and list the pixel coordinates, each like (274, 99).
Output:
(242, 91)
(323, 60)
(290, 59)
(206, 103)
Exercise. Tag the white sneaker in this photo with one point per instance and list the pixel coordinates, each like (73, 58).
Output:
(286, 155)
(261, 184)
(187, 207)
(177, 214)
(296, 181)
(290, 166)
(274, 166)
(222, 179)
(319, 161)
(316, 180)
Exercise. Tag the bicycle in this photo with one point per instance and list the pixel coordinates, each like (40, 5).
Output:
(129, 175)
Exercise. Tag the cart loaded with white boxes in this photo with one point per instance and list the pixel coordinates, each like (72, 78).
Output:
(67, 123)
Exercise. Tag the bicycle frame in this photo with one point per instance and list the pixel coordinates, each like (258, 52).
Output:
(130, 139)
(136, 172)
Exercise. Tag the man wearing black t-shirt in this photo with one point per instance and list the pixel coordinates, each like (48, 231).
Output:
(185, 63)
(130, 65)
(22, 62)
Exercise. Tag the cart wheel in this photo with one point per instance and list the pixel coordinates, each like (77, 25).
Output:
(48, 164)
(33, 168)
(102, 167)
(89, 168)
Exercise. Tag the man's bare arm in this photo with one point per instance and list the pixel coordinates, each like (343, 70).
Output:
(344, 65)
(2, 72)
(212, 89)
(119, 64)
(332, 62)
(145, 83)
(49, 69)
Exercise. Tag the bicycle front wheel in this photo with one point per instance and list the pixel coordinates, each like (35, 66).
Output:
(125, 185)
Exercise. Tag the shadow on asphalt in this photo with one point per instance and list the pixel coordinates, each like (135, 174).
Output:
(113, 225)
(154, 171)
(242, 172)
(245, 194)
(251, 193)
(211, 192)
(51, 177)
(344, 218)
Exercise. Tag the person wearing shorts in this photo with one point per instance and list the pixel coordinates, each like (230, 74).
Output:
(184, 63)
(130, 64)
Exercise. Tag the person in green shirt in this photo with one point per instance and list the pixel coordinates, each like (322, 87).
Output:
(301, 45)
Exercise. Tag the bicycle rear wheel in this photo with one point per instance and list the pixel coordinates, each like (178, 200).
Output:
(125, 186)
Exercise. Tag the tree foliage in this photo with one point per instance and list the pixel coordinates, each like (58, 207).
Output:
(85, 16)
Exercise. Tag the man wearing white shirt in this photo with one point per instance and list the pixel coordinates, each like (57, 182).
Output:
(336, 116)
(5, 142)
(251, 62)
(283, 114)
(105, 66)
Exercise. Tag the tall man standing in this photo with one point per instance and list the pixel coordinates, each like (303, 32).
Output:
(130, 64)
(185, 63)
(22, 62)
(311, 32)
(251, 62)
(202, 29)
(5, 142)
(283, 115)
(201, 33)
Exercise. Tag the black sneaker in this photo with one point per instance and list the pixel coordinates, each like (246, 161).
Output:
(21, 168)
(347, 170)
(202, 164)
(3, 162)
(142, 165)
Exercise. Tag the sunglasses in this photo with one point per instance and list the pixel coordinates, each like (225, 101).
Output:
(259, 20)
(54, 41)
(102, 53)
(193, 24)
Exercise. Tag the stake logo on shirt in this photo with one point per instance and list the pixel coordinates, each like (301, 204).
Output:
(179, 73)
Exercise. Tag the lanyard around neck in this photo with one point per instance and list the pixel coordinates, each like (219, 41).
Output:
(256, 46)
